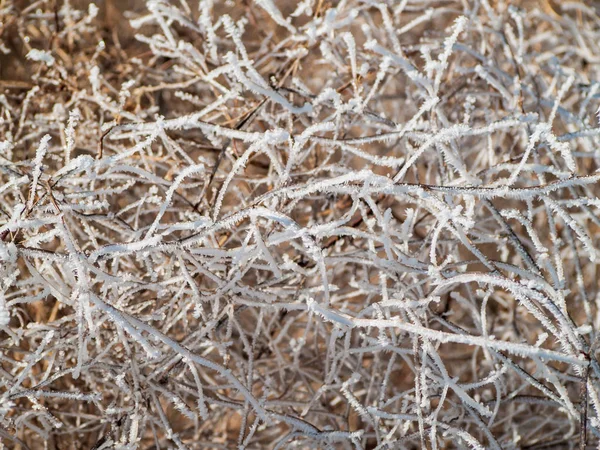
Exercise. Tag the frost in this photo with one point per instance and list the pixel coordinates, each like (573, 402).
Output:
(312, 224)
(42, 56)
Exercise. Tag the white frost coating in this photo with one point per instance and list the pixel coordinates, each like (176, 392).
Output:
(37, 168)
(262, 89)
(4, 312)
(275, 14)
(265, 224)
(79, 164)
(41, 56)
(124, 248)
(186, 173)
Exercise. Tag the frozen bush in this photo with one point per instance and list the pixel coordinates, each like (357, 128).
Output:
(313, 224)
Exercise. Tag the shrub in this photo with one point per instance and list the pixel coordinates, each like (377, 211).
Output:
(313, 224)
